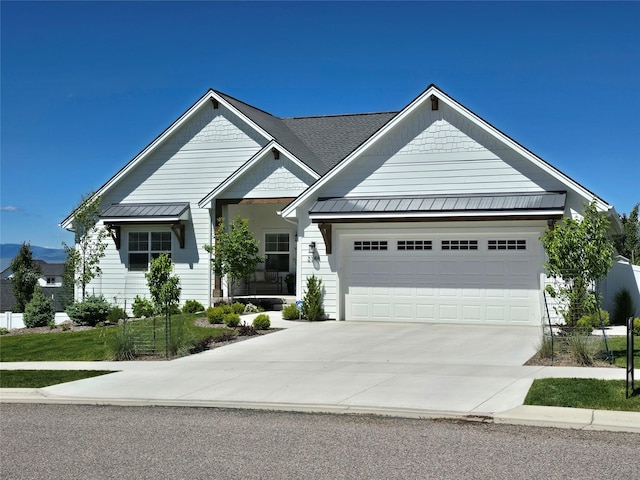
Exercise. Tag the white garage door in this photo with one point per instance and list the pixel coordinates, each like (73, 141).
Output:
(492, 280)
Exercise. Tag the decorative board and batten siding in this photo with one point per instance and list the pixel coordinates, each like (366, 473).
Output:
(188, 165)
(435, 152)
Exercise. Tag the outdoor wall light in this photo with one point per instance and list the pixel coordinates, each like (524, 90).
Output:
(312, 247)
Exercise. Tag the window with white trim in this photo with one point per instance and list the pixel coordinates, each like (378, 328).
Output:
(276, 249)
(459, 245)
(143, 246)
(414, 245)
(507, 244)
(370, 245)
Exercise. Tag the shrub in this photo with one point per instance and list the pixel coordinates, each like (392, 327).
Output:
(545, 348)
(116, 314)
(143, 307)
(90, 311)
(588, 322)
(4, 331)
(623, 307)
(192, 306)
(636, 326)
(250, 308)
(215, 314)
(245, 330)
(290, 312)
(124, 346)
(262, 322)
(312, 301)
(231, 320)
(583, 348)
(39, 311)
(237, 308)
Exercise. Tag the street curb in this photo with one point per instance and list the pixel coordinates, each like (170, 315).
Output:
(528, 415)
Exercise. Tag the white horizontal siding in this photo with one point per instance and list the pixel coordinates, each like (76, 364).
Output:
(325, 269)
(439, 152)
(184, 168)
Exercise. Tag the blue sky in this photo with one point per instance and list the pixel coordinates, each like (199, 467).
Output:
(85, 86)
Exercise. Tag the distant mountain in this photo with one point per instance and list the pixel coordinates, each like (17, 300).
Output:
(8, 251)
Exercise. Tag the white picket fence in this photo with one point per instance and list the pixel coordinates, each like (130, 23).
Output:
(11, 320)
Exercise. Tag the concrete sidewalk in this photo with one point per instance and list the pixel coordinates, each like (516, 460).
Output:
(427, 371)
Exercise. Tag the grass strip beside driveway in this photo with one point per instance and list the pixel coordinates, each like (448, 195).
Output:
(44, 378)
(582, 393)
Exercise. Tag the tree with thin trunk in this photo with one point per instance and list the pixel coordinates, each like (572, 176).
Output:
(235, 251)
(24, 278)
(628, 244)
(83, 259)
(579, 253)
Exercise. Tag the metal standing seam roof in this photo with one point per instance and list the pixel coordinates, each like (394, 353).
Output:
(442, 203)
(141, 211)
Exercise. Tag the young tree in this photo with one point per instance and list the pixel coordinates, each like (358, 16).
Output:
(579, 253)
(39, 311)
(165, 292)
(163, 286)
(24, 277)
(628, 244)
(235, 252)
(83, 259)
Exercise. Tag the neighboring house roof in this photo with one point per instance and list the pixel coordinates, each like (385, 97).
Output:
(47, 269)
(438, 205)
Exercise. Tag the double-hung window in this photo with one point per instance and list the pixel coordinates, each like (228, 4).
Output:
(276, 248)
(143, 246)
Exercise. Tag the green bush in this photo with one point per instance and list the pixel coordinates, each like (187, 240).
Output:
(636, 326)
(90, 311)
(39, 311)
(290, 312)
(262, 322)
(116, 314)
(143, 307)
(215, 314)
(250, 308)
(588, 322)
(312, 301)
(237, 308)
(192, 306)
(623, 307)
(231, 320)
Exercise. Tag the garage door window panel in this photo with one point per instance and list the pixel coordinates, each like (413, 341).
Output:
(507, 244)
(459, 244)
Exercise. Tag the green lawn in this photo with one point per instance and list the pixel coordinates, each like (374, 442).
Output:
(44, 378)
(618, 347)
(582, 393)
(96, 344)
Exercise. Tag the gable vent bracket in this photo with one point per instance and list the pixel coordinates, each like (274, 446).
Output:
(215, 103)
(276, 153)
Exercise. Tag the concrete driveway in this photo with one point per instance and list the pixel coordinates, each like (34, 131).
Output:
(336, 365)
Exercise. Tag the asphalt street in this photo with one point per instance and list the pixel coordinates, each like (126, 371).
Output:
(108, 442)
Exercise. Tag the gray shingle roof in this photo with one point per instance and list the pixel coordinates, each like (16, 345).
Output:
(334, 137)
(441, 203)
(320, 141)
